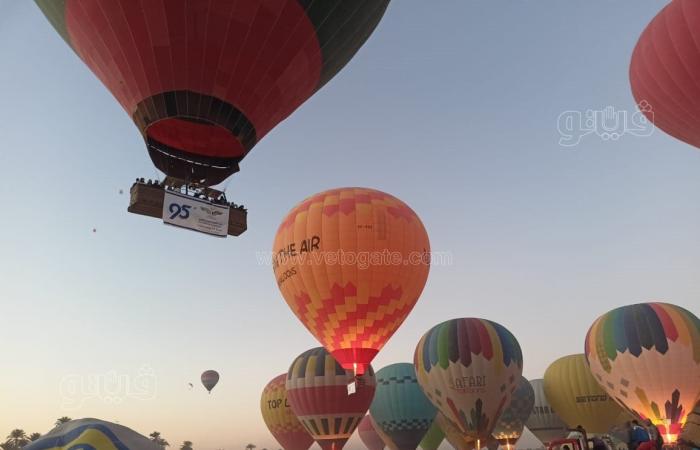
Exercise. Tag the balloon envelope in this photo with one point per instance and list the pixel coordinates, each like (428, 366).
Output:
(544, 422)
(209, 379)
(351, 264)
(665, 71)
(317, 388)
(92, 434)
(433, 438)
(511, 423)
(647, 357)
(400, 408)
(691, 429)
(279, 417)
(456, 437)
(578, 398)
(368, 434)
(204, 81)
(469, 368)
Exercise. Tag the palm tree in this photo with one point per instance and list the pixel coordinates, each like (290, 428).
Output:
(250, 447)
(17, 438)
(34, 436)
(156, 437)
(62, 420)
(186, 445)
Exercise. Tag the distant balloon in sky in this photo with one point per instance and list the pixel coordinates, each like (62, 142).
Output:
(205, 81)
(351, 264)
(647, 357)
(92, 434)
(209, 379)
(368, 434)
(400, 408)
(578, 398)
(433, 438)
(319, 394)
(469, 369)
(511, 423)
(665, 71)
(279, 417)
(544, 422)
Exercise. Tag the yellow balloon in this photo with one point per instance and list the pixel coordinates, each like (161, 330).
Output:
(577, 397)
(279, 417)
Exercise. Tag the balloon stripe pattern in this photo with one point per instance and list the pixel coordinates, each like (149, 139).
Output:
(204, 81)
(544, 422)
(317, 388)
(665, 71)
(368, 435)
(279, 417)
(469, 369)
(400, 408)
(351, 263)
(647, 356)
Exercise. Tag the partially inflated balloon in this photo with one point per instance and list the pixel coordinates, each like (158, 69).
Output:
(433, 438)
(205, 80)
(691, 430)
(317, 388)
(647, 357)
(92, 434)
(279, 417)
(578, 399)
(351, 263)
(544, 422)
(209, 379)
(511, 423)
(400, 408)
(368, 434)
(469, 368)
(665, 71)
(456, 437)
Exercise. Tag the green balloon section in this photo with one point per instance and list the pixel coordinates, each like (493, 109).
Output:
(400, 408)
(433, 438)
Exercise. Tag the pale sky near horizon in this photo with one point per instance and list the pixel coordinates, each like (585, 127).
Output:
(451, 106)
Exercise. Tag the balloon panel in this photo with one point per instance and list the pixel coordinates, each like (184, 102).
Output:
(433, 438)
(368, 435)
(511, 423)
(544, 422)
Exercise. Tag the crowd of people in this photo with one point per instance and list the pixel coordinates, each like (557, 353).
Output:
(219, 199)
(637, 437)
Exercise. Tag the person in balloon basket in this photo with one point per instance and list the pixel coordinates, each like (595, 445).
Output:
(639, 437)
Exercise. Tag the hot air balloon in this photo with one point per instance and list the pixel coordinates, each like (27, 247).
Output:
(433, 438)
(92, 434)
(647, 357)
(209, 379)
(578, 399)
(400, 408)
(204, 81)
(511, 423)
(351, 264)
(279, 417)
(317, 388)
(469, 369)
(543, 422)
(456, 437)
(368, 434)
(665, 71)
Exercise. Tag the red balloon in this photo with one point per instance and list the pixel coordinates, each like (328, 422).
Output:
(665, 71)
(317, 389)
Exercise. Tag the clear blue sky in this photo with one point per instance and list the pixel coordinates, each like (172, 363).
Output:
(452, 106)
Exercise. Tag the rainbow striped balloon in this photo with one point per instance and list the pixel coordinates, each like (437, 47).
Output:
(647, 357)
(469, 369)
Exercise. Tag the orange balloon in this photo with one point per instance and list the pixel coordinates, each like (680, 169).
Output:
(351, 263)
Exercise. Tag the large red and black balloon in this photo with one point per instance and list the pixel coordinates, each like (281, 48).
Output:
(205, 80)
(665, 71)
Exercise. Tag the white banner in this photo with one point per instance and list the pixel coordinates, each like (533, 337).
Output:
(200, 215)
